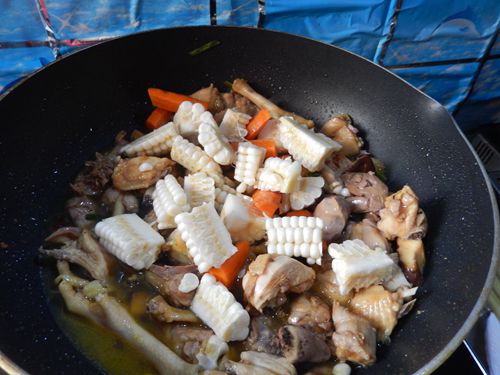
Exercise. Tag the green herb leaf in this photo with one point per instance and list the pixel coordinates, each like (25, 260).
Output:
(204, 48)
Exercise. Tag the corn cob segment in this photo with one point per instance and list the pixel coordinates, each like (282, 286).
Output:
(199, 189)
(221, 194)
(194, 159)
(218, 309)
(357, 266)
(249, 158)
(240, 221)
(278, 175)
(169, 200)
(297, 236)
(215, 144)
(211, 351)
(309, 148)
(157, 143)
(130, 239)
(206, 237)
(234, 125)
(188, 118)
(307, 191)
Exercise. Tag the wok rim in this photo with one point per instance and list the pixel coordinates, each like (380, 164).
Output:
(12, 368)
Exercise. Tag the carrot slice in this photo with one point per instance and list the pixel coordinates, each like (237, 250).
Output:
(229, 270)
(158, 118)
(257, 123)
(266, 201)
(170, 101)
(268, 144)
(299, 213)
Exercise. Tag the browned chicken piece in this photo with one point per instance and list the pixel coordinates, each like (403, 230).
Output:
(166, 280)
(379, 307)
(94, 178)
(140, 172)
(81, 210)
(255, 363)
(402, 217)
(341, 130)
(270, 277)
(363, 164)
(367, 189)
(334, 210)
(412, 259)
(354, 338)
(298, 345)
(310, 312)
(163, 312)
(326, 286)
(367, 231)
(262, 337)
(212, 96)
(186, 340)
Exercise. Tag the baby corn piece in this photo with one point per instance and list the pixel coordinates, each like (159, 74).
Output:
(218, 309)
(199, 189)
(215, 144)
(307, 191)
(309, 148)
(188, 118)
(169, 200)
(249, 158)
(278, 175)
(194, 159)
(157, 143)
(234, 125)
(130, 239)
(357, 266)
(206, 237)
(297, 236)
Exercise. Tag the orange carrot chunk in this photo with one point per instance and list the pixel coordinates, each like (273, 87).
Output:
(158, 118)
(257, 123)
(268, 144)
(299, 213)
(170, 101)
(229, 270)
(266, 201)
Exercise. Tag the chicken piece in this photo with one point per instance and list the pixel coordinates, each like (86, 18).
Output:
(163, 312)
(269, 277)
(166, 279)
(255, 363)
(299, 345)
(402, 217)
(177, 249)
(367, 231)
(363, 164)
(368, 190)
(85, 252)
(412, 259)
(262, 337)
(140, 172)
(354, 338)
(334, 211)
(379, 307)
(81, 210)
(397, 280)
(310, 312)
(186, 340)
(212, 96)
(341, 130)
(95, 177)
(333, 182)
(119, 202)
(326, 286)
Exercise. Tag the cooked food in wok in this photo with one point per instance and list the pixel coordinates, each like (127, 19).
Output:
(236, 237)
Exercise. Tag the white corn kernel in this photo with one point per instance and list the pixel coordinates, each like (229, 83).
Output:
(199, 189)
(157, 143)
(249, 158)
(130, 239)
(307, 191)
(188, 283)
(169, 200)
(221, 194)
(215, 144)
(188, 118)
(211, 351)
(278, 175)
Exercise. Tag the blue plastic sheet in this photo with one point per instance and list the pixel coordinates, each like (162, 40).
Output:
(20, 21)
(237, 12)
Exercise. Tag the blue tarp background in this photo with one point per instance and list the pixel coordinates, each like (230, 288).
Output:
(449, 49)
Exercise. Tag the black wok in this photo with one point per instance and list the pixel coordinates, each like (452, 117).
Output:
(57, 119)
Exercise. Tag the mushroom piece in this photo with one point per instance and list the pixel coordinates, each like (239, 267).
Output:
(186, 340)
(402, 217)
(255, 363)
(298, 345)
(85, 252)
(81, 210)
(354, 338)
(163, 312)
(412, 259)
(166, 279)
(95, 177)
(334, 210)
(341, 130)
(270, 277)
(310, 312)
(262, 337)
(367, 231)
(140, 172)
(326, 286)
(368, 190)
(243, 88)
(64, 235)
(119, 202)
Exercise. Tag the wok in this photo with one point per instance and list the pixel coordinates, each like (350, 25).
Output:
(55, 120)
